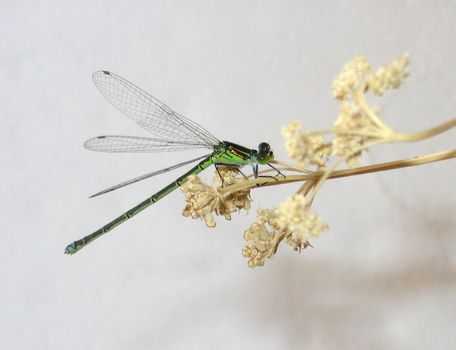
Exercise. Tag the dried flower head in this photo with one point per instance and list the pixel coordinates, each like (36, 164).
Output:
(295, 217)
(307, 149)
(201, 199)
(389, 77)
(351, 77)
(292, 220)
(232, 201)
(356, 75)
(204, 200)
(358, 124)
(259, 239)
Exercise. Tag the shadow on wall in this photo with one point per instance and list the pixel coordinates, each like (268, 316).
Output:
(330, 306)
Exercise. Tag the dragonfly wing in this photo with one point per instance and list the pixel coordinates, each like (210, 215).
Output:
(148, 175)
(135, 144)
(150, 113)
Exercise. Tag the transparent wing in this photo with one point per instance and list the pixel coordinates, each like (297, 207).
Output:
(148, 175)
(150, 113)
(134, 144)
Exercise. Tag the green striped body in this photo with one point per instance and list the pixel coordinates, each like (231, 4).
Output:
(225, 153)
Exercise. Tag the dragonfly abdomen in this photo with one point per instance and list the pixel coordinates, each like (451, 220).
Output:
(77, 245)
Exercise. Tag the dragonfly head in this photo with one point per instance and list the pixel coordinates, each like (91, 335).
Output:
(265, 154)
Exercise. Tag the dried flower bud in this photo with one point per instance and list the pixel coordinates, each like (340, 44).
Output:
(294, 216)
(201, 199)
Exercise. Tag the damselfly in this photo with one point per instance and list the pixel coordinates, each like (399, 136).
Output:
(173, 132)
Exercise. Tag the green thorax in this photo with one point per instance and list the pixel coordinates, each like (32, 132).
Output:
(232, 154)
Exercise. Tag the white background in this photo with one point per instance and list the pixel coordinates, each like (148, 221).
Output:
(382, 277)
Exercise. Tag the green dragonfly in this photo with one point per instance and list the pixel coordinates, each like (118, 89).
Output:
(173, 132)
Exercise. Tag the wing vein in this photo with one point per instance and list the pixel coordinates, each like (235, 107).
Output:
(150, 113)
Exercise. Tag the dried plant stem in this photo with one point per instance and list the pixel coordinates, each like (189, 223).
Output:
(358, 97)
(404, 163)
(426, 133)
(315, 176)
(393, 137)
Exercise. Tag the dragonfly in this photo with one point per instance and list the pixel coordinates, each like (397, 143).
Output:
(172, 132)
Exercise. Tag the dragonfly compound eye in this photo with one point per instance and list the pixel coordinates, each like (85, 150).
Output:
(264, 148)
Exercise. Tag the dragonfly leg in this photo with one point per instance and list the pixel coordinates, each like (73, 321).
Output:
(268, 177)
(255, 173)
(229, 166)
(240, 172)
(278, 171)
(218, 172)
